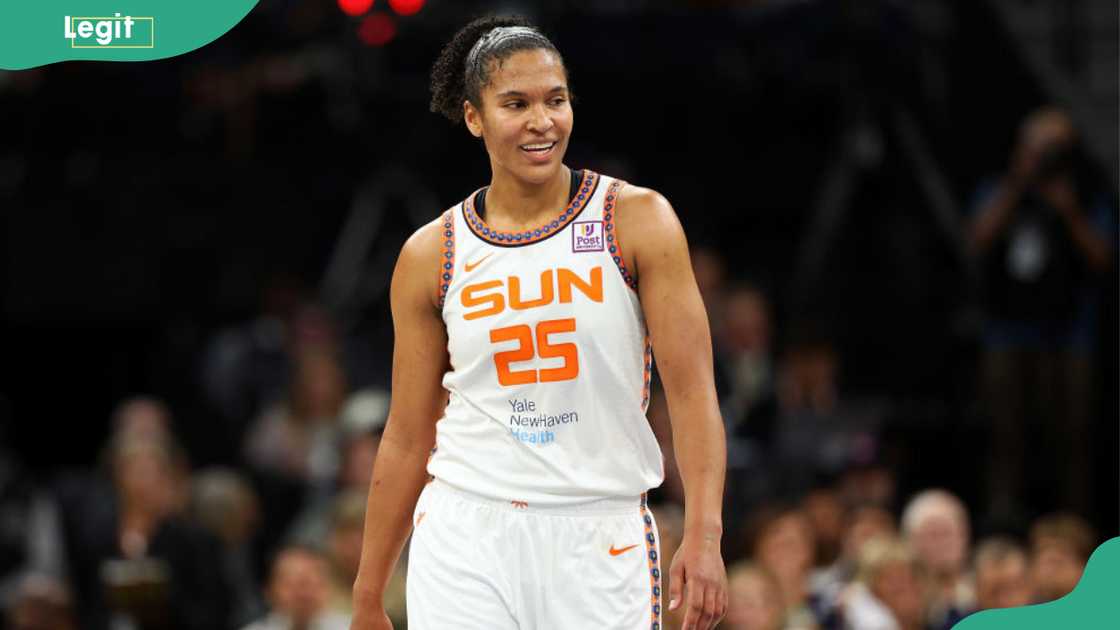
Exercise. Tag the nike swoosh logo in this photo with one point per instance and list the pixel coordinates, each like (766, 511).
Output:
(470, 266)
(615, 552)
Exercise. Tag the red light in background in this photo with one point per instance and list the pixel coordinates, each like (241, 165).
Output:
(406, 7)
(355, 7)
(377, 29)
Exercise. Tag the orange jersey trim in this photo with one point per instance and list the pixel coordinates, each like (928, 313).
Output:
(446, 257)
(654, 568)
(614, 243)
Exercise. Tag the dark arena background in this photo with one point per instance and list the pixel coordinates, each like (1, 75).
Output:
(195, 256)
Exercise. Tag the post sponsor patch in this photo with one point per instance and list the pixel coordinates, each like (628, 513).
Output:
(587, 236)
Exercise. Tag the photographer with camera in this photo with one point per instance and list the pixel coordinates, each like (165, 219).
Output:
(1039, 247)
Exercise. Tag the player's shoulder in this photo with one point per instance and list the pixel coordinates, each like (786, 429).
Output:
(425, 244)
(647, 214)
(419, 259)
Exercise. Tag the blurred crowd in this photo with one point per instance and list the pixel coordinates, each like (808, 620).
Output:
(828, 521)
(816, 534)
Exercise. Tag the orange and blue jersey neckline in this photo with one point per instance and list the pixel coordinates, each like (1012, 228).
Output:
(483, 231)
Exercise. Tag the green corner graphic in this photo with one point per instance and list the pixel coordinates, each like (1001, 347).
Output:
(1093, 604)
(41, 33)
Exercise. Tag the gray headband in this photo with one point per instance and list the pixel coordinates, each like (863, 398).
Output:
(497, 36)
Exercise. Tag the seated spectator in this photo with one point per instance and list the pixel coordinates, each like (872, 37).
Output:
(298, 439)
(1001, 574)
(31, 535)
(744, 357)
(298, 593)
(826, 511)
(143, 419)
(826, 585)
(889, 591)
(134, 558)
(41, 602)
(224, 504)
(935, 524)
(1060, 546)
(782, 542)
(344, 545)
(363, 420)
(753, 599)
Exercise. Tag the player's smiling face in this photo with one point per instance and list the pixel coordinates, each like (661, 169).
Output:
(526, 115)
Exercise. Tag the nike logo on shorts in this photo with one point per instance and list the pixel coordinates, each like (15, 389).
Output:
(616, 552)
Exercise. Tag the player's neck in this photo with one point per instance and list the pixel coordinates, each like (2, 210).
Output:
(515, 203)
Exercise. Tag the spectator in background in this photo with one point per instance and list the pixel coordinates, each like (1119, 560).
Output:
(1001, 574)
(298, 439)
(754, 599)
(362, 422)
(248, 366)
(41, 602)
(344, 544)
(1060, 546)
(748, 403)
(299, 593)
(936, 526)
(889, 591)
(147, 420)
(826, 512)
(30, 526)
(710, 272)
(782, 542)
(224, 504)
(827, 585)
(1040, 239)
(133, 558)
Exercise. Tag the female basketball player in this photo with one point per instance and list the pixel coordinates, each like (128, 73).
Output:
(522, 355)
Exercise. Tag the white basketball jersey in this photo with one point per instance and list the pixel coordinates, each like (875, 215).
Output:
(550, 360)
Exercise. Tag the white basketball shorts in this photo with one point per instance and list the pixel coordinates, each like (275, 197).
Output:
(481, 564)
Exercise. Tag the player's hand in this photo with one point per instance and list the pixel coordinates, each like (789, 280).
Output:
(370, 620)
(698, 581)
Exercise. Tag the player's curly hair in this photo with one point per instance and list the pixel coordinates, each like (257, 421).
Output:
(454, 80)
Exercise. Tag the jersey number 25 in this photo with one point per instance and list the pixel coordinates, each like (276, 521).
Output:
(523, 335)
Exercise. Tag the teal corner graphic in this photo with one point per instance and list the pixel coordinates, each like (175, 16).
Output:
(42, 33)
(1092, 604)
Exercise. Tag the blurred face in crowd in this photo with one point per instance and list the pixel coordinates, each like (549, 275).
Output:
(142, 419)
(824, 509)
(864, 524)
(899, 587)
(144, 478)
(1045, 130)
(786, 548)
(1056, 569)
(1003, 582)
(320, 386)
(299, 585)
(754, 602)
(746, 322)
(525, 117)
(941, 541)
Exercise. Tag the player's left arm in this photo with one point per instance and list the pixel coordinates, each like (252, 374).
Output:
(655, 247)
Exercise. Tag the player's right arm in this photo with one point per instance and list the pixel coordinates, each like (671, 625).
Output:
(399, 473)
